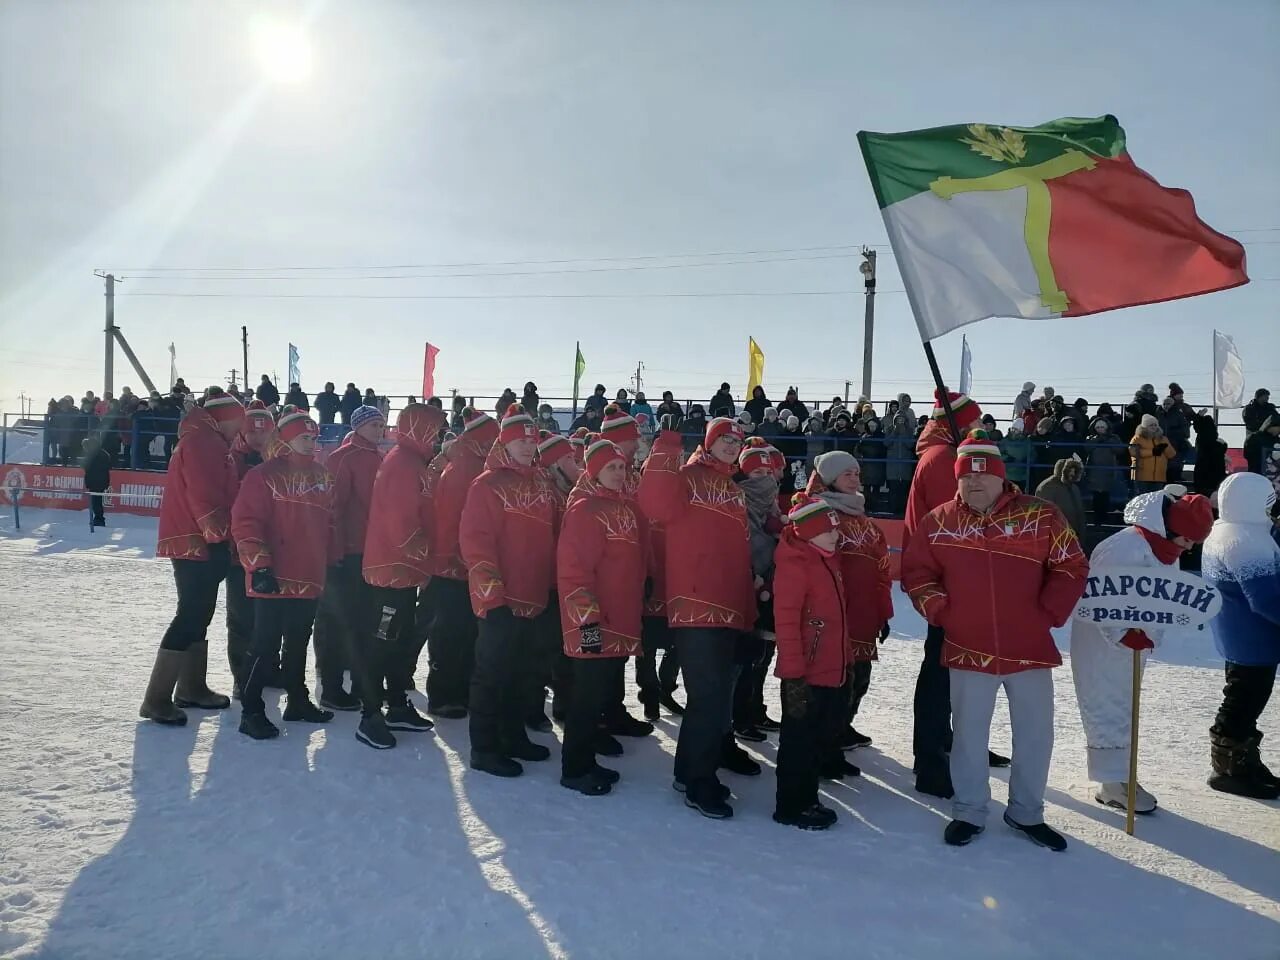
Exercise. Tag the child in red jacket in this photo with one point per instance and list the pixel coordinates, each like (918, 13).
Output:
(813, 655)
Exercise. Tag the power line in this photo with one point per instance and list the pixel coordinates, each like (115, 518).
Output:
(503, 296)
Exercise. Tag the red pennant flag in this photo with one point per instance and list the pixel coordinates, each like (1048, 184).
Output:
(429, 373)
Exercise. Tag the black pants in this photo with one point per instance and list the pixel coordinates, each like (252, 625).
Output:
(859, 684)
(330, 634)
(1101, 506)
(424, 620)
(707, 659)
(595, 683)
(748, 691)
(452, 644)
(499, 684)
(1244, 698)
(351, 603)
(239, 623)
(390, 642)
(654, 636)
(96, 500)
(274, 618)
(548, 647)
(811, 717)
(197, 582)
(932, 704)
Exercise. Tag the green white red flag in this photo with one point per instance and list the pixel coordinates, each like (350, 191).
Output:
(1037, 222)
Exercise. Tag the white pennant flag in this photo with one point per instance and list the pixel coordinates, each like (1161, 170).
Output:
(966, 367)
(173, 366)
(1228, 372)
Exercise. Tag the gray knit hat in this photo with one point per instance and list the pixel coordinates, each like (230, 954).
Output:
(831, 465)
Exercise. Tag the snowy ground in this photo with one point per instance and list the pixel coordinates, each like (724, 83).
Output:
(121, 839)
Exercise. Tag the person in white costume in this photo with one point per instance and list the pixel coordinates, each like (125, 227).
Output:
(1162, 524)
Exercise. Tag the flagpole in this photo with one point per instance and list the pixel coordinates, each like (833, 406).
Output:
(1213, 358)
(942, 393)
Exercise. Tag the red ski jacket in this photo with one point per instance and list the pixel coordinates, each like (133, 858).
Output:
(199, 491)
(809, 613)
(934, 482)
(283, 519)
(508, 536)
(354, 466)
(708, 548)
(466, 462)
(601, 559)
(996, 582)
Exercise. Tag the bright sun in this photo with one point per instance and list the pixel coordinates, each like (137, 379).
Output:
(283, 51)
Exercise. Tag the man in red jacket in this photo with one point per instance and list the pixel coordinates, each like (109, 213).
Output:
(195, 526)
(934, 484)
(710, 593)
(282, 523)
(997, 570)
(248, 450)
(507, 536)
(452, 639)
(396, 552)
(345, 603)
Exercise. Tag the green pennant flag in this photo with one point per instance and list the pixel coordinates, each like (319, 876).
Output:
(579, 365)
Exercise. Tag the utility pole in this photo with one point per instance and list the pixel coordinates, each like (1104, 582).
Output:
(868, 270)
(232, 381)
(244, 344)
(109, 359)
(639, 381)
(847, 385)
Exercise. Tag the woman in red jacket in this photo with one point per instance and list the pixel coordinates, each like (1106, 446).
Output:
(813, 654)
(710, 593)
(600, 562)
(507, 537)
(283, 527)
(396, 551)
(195, 526)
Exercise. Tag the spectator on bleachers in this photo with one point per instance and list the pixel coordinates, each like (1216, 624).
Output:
(530, 399)
(989, 425)
(722, 404)
(268, 393)
(1044, 453)
(755, 406)
(349, 403)
(623, 401)
(50, 434)
(590, 418)
(547, 419)
(1211, 455)
(297, 398)
(1062, 489)
(1260, 444)
(180, 386)
(1177, 428)
(792, 406)
(1018, 452)
(871, 453)
(900, 450)
(641, 406)
(328, 403)
(669, 407)
(1108, 458)
(596, 400)
(1256, 411)
(456, 421)
(1022, 402)
(770, 426)
(1150, 452)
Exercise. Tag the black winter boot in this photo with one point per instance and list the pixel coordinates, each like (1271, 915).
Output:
(816, 817)
(300, 708)
(934, 778)
(496, 764)
(1238, 768)
(257, 725)
(734, 759)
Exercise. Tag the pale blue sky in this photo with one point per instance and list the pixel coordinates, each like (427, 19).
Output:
(136, 135)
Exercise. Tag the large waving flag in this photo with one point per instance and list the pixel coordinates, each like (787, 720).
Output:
(755, 365)
(1037, 222)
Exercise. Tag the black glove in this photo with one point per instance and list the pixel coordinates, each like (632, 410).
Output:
(795, 698)
(264, 581)
(884, 632)
(499, 615)
(1159, 448)
(591, 642)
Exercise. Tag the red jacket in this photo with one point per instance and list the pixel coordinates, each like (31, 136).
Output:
(708, 548)
(809, 613)
(466, 462)
(996, 582)
(397, 546)
(283, 519)
(199, 491)
(601, 559)
(934, 482)
(354, 466)
(508, 537)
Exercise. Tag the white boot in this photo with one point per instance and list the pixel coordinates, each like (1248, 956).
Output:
(1117, 795)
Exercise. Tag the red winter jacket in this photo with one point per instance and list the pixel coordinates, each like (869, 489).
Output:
(996, 582)
(601, 559)
(354, 466)
(934, 482)
(283, 519)
(708, 548)
(508, 536)
(199, 491)
(397, 547)
(809, 613)
(466, 462)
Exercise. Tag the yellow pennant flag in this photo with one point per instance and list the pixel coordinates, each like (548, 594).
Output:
(755, 365)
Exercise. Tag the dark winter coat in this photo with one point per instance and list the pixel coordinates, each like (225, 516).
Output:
(1177, 430)
(595, 402)
(872, 450)
(722, 405)
(327, 405)
(1063, 491)
(298, 398)
(755, 406)
(1255, 413)
(670, 408)
(1211, 455)
(97, 470)
(900, 442)
(1258, 445)
(267, 393)
(792, 407)
(351, 399)
(1108, 458)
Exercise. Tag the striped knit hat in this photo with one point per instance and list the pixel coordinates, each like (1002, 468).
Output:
(294, 424)
(225, 409)
(618, 426)
(257, 418)
(811, 517)
(517, 425)
(363, 414)
(720, 427)
(552, 447)
(966, 411)
(578, 440)
(756, 454)
(978, 453)
(479, 426)
(600, 452)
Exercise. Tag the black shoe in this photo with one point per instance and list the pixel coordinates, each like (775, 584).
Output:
(588, 784)
(448, 711)
(257, 725)
(495, 764)
(606, 746)
(838, 769)
(1040, 833)
(709, 802)
(750, 734)
(960, 834)
(734, 759)
(935, 780)
(652, 712)
(767, 723)
(679, 787)
(407, 718)
(816, 817)
(528, 750)
(339, 699)
(303, 710)
(668, 701)
(625, 725)
(857, 739)
(605, 774)
(996, 760)
(373, 731)
(538, 723)
(1251, 786)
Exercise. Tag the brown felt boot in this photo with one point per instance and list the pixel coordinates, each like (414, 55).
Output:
(193, 688)
(157, 703)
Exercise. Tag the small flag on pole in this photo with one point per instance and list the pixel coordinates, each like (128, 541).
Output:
(579, 365)
(966, 367)
(429, 372)
(1228, 372)
(294, 356)
(173, 366)
(755, 365)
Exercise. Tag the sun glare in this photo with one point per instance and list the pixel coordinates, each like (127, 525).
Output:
(283, 51)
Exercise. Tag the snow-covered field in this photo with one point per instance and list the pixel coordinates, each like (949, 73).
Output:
(120, 839)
